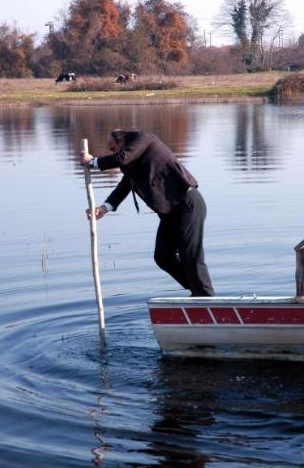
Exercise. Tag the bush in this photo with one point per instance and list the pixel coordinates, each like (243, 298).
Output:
(217, 60)
(109, 84)
(288, 88)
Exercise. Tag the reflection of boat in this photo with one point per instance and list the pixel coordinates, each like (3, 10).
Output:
(250, 326)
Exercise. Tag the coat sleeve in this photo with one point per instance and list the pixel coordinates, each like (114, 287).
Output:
(130, 153)
(122, 189)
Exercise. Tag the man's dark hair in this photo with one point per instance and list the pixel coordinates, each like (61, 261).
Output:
(119, 136)
(125, 137)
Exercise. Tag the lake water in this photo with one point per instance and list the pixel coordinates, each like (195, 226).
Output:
(64, 404)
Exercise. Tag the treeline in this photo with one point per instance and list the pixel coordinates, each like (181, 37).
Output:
(105, 37)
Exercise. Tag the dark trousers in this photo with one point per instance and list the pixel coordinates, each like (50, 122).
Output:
(179, 245)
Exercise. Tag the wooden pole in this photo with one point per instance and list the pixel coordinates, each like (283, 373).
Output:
(300, 270)
(94, 247)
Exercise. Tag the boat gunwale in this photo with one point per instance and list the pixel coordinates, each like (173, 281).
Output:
(227, 301)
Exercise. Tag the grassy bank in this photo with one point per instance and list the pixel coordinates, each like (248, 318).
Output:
(193, 88)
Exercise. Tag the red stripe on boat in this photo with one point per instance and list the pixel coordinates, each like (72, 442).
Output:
(167, 316)
(198, 315)
(224, 315)
(278, 316)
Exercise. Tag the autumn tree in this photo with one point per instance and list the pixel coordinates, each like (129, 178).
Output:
(125, 16)
(45, 64)
(163, 32)
(16, 50)
(90, 37)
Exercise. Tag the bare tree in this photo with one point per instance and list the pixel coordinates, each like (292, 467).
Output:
(268, 20)
(257, 26)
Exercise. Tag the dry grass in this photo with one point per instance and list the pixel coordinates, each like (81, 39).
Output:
(291, 87)
(228, 81)
(109, 84)
(11, 85)
(44, 91)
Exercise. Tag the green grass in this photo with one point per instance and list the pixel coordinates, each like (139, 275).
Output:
(177, 93)
(49, 97)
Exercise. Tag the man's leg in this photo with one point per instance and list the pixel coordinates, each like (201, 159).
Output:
(165, 254)
(192, 213)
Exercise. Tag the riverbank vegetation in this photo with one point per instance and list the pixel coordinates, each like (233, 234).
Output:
(157, 40)
(214, 88)
(289, 88)
(157, 37)
(110, 84)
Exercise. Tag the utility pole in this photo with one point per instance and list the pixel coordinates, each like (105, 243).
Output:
(210, 43)
(205, 41)
(50, 25)
(281, 41)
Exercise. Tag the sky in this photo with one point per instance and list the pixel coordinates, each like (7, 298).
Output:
(32, 15)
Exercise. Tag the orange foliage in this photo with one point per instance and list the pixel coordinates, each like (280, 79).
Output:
(16, 49)
(89, 18)
(167, 27)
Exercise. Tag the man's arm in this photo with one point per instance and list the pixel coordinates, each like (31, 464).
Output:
(122, 189)
(114, 199)
(130, 153)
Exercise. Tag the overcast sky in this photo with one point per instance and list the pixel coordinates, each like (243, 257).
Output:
(32, 15)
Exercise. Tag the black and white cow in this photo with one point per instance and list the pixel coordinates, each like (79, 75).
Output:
(65, 77)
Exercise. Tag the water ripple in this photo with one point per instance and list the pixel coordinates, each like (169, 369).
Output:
(64, 403)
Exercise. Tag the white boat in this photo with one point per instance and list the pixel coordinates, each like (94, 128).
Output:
(233, 327)
(230, 327)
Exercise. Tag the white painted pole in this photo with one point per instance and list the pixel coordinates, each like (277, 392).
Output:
(94, 247)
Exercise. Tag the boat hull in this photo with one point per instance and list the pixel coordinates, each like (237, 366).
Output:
(231, 327)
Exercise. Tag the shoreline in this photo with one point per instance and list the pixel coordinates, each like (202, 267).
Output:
(203, 89)
(156, 101)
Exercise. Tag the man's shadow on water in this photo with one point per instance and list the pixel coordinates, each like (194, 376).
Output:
(198, 399)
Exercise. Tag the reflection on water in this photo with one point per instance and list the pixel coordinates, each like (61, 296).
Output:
(96, 124)
(65, 405)
(194, 413)
(251, 128)
(17, 128)
(209, 411)
(254, 145)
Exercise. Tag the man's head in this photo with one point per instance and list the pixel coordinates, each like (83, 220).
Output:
(116, 140)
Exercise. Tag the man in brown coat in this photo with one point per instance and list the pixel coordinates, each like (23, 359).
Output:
(151, 171)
